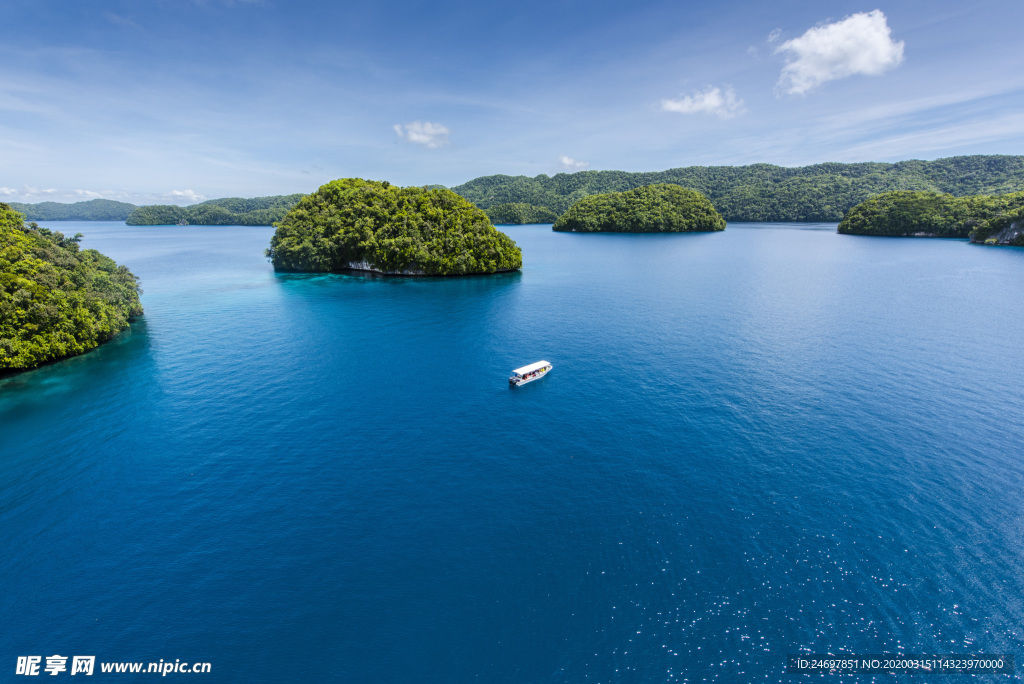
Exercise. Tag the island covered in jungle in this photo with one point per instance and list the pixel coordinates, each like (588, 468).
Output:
(356, 224)
(89, 210)
(984, 219)
(650, 209)
(57, 300)
(226, 211)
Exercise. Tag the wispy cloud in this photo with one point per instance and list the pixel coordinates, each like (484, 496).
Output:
(28, 193)
(123, 21)
(939, 138)
(712, 100)
(893, 112)
(186, 195)
(31, 195)
(227, 3)
(571, 164)
(425, 133)
(980, 121)
(859, 44)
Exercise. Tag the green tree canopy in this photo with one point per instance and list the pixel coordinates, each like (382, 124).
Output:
(92, 210)
(518, 213)
(355, 223)
(764, 192)
(930, 214)
(55, 299)
(226, 211)
(650, 209)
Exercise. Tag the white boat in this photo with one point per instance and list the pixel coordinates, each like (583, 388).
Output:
(534, 371)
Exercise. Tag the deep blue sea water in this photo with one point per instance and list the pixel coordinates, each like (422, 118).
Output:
(771, 440)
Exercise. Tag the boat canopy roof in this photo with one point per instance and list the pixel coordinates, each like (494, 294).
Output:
(530, 368)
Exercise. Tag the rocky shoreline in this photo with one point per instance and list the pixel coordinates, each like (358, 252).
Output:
(1012, 235)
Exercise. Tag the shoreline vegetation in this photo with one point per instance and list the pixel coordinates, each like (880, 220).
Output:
(354, 224)
(984, 219)
(57, 300)
(650, 209)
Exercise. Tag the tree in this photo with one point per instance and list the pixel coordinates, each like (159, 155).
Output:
(649, 209)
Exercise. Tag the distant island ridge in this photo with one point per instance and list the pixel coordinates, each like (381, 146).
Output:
(91, 210)
(226, 211)
(754, 193)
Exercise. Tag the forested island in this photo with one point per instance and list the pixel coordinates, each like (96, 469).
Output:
(660, 208)
(760, 192)
(92, 210)
(355, 224)
(56, 300)
(986, 219)
(227, 211)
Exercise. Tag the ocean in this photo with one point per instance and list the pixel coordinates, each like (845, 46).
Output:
(768, 441)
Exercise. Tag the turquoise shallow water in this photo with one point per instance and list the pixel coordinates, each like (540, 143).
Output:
(765, 441)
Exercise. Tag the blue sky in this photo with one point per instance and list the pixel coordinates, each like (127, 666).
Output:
(182, 100)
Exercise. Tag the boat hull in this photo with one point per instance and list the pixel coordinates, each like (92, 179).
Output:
(517, 381)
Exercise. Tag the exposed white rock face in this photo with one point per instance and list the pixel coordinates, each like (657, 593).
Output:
(1011, 234)
(367, 266)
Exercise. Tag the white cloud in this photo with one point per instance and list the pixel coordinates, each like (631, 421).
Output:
(571, 164)
(32, 195)
(187, 195)
(430, 135)
(859, 44)
(119, 20)
(27, 193)
(712, 100)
